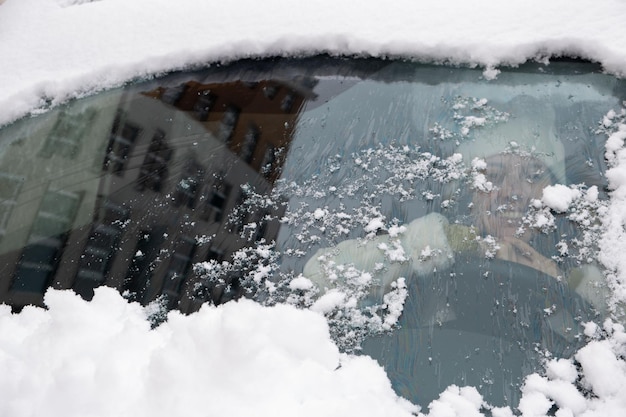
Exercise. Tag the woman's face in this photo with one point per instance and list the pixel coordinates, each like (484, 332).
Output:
(516, 181)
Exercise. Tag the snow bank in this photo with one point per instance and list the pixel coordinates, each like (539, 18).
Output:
(240, 359)
(613, 242)
(52, 50)
(101, 358)
(593, 386)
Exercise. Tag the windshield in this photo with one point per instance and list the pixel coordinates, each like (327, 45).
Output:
(444, 224)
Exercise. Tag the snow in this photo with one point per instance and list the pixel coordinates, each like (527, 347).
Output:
(330, 301)
(605, 374)
(56, 49)
(319, 213)
(394, 303)
(559, 197)
(395, 230)
(479, 180)
(562, 369)
(102, 359)
(613, 242)
(601, 374)
(301, 283)
(457, 401)
(374, 225)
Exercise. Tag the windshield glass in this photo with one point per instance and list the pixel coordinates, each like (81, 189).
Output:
(445, 224)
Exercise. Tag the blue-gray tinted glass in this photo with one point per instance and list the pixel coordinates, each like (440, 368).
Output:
(339, 185)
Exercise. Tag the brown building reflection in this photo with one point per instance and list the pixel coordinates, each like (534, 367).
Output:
(130, 188)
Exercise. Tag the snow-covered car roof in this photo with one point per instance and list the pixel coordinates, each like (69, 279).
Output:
(56, 49)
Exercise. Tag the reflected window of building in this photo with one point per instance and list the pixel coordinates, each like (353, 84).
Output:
(143, 262)
(46, 241)
(67, 134)
(216, 202)
(261, 229)
(180, 263)
(10, 186)
(203, 104)
(287, 104)
(172, 94)
(205, 291)
(188, 186)
(101, 246)
(269, 161)
(248, 146)
(215, 254)
(270, 91)
(240, 216)
(120, 144)
(228, 123)
(153, 172)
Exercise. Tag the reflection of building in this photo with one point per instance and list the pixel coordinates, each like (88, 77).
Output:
(254, 119)
(118, 189)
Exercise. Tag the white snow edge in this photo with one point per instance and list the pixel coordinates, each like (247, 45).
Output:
(54, 50)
